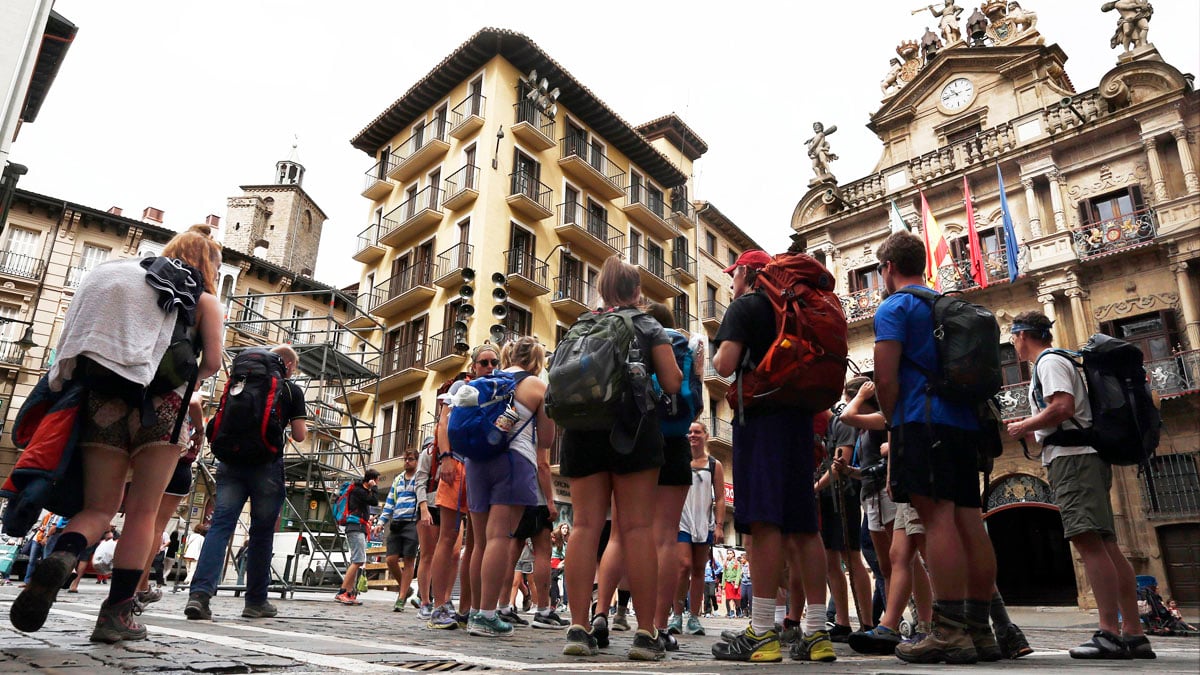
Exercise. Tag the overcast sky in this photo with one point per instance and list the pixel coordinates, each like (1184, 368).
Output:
(174, 105)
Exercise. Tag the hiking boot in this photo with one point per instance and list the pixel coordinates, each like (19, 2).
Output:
(481, 626)
(790, 632)
(879, 641)
(749, 646)
(1139, 647)
(1012, 642)
(693, 626)
(197, 607)
(549, 620)
(115, 622)
(986, 646)
(442, 618)
(510, 615)
(675, 624)
(947, 641)
(29, 611)
(646, 647)
(600, 630)
(815, 647)
(838, 632)
(259, 610)
(148, 596)
(1103, 645)
(580, 642)
(619, 621)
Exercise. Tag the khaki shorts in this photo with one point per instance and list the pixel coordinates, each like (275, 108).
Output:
(908, 519)
(1081, 485)
(880, 510)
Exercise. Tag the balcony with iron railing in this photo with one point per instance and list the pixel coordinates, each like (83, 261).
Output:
(684, 265)
(402, 365)
(717, 385)
(711, 314)
(448, 350)
(467, 117)
(426, 145)
(683, 214)
(416, 216)
(573, 296)
(1175, 479)
(21, 266)
(410, 287)
(653, 270)
(1013, 401)
(861, 304)
(526, 274)
(12, 353)
(588, 232)
(1175, 376)
(591, 167)
(957, 277)
(375, 183)
(75, 275)
(684, 320)
(368, 249)
(533, 127)
(720, 433)
(453, 267)
(1131, 230)
(461, 188)
(529, 197)
(645, 207)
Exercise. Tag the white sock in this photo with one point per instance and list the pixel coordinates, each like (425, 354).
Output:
(762, 615)
(780, 614)
(543, 611)
(489, 613)
(814, 618)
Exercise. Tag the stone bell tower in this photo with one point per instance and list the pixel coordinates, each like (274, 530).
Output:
(278, 222)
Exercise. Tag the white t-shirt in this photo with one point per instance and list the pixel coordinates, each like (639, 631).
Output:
(195, 542)
(1057, 374)
(104, 552)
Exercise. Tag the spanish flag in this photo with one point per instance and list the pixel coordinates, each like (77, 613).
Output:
(937, 251)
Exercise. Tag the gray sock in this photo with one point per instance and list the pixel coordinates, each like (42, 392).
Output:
(999, 612)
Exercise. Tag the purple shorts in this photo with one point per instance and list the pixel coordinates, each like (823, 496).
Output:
(773, 472)
(506, 480)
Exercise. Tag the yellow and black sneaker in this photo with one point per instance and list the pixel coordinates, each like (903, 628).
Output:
(749, 646)
(813, 647)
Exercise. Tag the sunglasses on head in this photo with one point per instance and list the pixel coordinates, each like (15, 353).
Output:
(488, 362)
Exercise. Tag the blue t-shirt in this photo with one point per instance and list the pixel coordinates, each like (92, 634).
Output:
(908, 320)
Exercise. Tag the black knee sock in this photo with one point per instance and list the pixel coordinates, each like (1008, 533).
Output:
(977, 611)
(71, 542)
(124, 583)
(622, 600)
(999, 612)
(951, 609)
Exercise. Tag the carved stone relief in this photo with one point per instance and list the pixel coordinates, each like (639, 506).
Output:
(1107, 180)
(1139, 305)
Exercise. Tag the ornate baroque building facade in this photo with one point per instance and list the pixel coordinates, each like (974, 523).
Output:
(1102, 186)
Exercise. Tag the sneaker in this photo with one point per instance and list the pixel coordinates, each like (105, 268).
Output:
(197, 607)
(442, 617)
(600, 630)
(815, 647)
(838, 632)
(947, 641)
(425, 611)
(481, 626)
(986, 646)
(879, 641)
(1012, 642)
(789, 632)
(463, 620)
(29, 611)
(668, 641)
(398, 606)
(675, 624)
(510, 616)
(115, 622)
(750, 646)
(693, 626)
(1103, 645)
(550, 620)
(619, 621)
(259, 610)
(415, 602)
(646, 647)
(1138, 646)
(146, 597)
(580, 642)
(344, 598)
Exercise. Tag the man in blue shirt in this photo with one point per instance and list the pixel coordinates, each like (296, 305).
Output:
(401, 511)
(934, 465)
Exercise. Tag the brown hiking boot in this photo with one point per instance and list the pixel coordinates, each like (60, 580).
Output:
(29, 611)
(986, 646)
(948, 641)
(115, 622)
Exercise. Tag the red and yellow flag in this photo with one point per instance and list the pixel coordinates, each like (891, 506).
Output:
(937, 251)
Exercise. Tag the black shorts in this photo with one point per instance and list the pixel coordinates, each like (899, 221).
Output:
(533, 521)
(585, 453)
(604, 536)
(947, 469)
(831, 523)
(435, 514)
(181, 480)
(677, 462)
(402, 539)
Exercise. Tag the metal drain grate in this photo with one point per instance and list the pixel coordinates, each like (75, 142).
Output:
(441, 666)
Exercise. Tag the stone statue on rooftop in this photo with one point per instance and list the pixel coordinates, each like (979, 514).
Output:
(948, 21)
(818, 152)
(1133, 23)
(891, 81)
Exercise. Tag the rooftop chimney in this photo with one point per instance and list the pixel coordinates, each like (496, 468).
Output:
(212, 221)
(152, 215)
(115, 210)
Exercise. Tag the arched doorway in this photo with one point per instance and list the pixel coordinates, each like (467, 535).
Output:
(1033, 560)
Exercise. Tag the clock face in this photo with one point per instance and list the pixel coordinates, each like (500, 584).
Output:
(957, 93)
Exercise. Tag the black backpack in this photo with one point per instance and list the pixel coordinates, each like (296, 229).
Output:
(248, 427)
(967, 338)
(1125, 424)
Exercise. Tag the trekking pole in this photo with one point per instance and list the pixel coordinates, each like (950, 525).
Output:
(840, 502)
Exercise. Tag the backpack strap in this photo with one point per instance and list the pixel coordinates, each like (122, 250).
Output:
(930, 296)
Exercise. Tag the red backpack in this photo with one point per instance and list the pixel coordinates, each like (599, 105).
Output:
(805, 366)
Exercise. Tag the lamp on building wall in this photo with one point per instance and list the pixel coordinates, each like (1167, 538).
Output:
(496, 156)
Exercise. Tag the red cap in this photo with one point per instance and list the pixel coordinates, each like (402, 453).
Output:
(753, 258)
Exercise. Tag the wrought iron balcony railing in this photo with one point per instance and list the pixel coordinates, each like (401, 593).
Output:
(653, 263)
(1176, 486)
(522, 183)
(957, 277)
(575, 288)
(573, 213)
(861, 304)
(522, 262)
(711, 310)
(1112, 235)
(528, 111)
(579, 147)
(1013, 400)
(1177, 375)
(19, 265)
(651, 199)
(456, 258)
(402, 357)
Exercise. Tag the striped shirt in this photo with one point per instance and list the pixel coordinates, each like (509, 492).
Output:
(401, 504)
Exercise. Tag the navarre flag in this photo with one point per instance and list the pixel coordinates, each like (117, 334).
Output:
(1010, 235)
(896, 220)
(937, 251)
(975, 251)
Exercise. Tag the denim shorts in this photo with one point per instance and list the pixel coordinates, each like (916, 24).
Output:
(358, 546)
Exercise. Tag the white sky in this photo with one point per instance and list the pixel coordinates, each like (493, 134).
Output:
(174, 105)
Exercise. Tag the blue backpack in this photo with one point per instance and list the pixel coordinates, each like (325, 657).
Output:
(341, 501)
(678, 411)
(473, 431)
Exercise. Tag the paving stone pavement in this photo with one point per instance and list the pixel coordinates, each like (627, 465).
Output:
(314, 634)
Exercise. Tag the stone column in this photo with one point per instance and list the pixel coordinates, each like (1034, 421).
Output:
(1047, 301)
(1034, 227)
(1079, 319)
(1187, 301)
(1056, 201)
(1156, 174)
(1190, 179)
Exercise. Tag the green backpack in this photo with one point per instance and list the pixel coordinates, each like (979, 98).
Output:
(595, 372)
